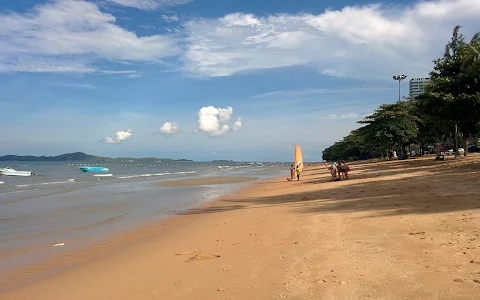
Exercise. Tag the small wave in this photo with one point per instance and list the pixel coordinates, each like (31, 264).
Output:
(17, 192)
(46, 183)
(155, 174)
(103, 175)
(1, 182)
(182, 173)
(144, 175)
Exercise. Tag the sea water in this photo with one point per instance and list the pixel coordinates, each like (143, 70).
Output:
(62, 204)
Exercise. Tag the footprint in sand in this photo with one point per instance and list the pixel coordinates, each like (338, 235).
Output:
(475, 261)
(200, 256)
(197, 255)
(416, 233)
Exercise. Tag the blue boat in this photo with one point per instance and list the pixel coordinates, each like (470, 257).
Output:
(93, 169)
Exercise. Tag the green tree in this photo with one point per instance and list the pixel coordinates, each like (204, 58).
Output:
(393, 125)
(430, 129)
(353, 146)
(453, 94)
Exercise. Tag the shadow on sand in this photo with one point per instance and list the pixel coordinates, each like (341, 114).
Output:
(419, 186)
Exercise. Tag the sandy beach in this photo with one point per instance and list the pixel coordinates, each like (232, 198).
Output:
(394, 230)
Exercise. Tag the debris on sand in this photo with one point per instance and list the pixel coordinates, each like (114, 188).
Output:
(416, 233)
(200, 256)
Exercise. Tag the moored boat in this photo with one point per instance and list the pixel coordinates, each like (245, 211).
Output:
(94, 169)
(12, 172)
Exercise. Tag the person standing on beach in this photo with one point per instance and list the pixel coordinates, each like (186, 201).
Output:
(292, 172)
(298, 173)
(333, 170)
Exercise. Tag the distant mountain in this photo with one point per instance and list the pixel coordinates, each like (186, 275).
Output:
(80, 156)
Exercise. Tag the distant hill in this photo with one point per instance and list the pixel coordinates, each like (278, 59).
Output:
(80, 156)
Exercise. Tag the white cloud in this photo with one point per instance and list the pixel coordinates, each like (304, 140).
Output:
(13, 63)
(76, 85)
(343, 116)
(149, 4)
(134, 75)
(310, 92)
(213, 120)
(169, 128)
(170, 19)
(293, 93)
(120, 136)
(72, 36)
(363, 42)
(332, 117)
(237, 125)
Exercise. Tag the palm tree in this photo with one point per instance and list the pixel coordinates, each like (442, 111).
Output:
(474, 46)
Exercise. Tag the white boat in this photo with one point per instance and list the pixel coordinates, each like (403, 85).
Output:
(12, 172)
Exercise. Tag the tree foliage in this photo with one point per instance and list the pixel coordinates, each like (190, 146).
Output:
(452, 97)
(453, 94)
(392, 125)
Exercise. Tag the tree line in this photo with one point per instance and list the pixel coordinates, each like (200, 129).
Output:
(448, 110)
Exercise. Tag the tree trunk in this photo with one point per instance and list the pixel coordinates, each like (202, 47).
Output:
(456, 141)
(401, 151)
(465, 146)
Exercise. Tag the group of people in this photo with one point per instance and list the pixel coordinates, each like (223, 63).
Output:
(293, 171)
(337, 168)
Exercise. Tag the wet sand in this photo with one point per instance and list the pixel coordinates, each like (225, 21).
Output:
(394, 230)
(205, 181)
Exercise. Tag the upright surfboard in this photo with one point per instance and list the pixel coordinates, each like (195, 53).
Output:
(298, 157)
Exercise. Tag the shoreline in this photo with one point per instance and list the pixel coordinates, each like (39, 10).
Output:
(211, 180)
(81, 254)
(395, 229)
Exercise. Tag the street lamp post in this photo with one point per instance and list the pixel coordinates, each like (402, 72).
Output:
(399, 78)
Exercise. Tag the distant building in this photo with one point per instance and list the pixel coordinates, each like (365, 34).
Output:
(416, 86)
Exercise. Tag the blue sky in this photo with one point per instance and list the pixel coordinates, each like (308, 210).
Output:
(208, 79)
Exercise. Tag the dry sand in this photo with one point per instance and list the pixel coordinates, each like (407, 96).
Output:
(394, 230)
(205, 181)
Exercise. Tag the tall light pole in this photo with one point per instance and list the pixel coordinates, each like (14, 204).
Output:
(399, 78)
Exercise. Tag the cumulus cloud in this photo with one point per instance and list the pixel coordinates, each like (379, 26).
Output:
(364, 42)
(72, 36)
(120, 136)
(149, 4)
(169, 128)
(214, 120)
(372, 41)
(237, 125)
(343, 116)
